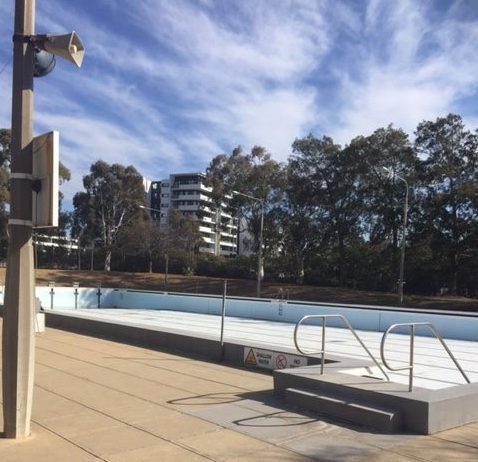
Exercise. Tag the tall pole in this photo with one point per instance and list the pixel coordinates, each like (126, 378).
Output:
(223, 316)
(260, 258)
(18, 332)
(404, 239)
(260, 269)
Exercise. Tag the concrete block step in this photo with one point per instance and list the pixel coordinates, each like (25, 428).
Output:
(352, 411)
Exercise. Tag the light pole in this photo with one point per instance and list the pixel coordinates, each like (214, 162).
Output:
(260, 262)
(404, 233)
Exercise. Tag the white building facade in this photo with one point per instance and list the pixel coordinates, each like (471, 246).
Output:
(187, 193)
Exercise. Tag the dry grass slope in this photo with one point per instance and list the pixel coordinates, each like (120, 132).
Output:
(241, 287)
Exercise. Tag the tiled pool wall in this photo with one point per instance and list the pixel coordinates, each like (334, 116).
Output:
(462, 326)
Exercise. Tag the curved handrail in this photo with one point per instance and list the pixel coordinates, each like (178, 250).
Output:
(324, 318)
(413, 326)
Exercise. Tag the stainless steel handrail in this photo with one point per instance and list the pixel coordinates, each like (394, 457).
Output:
(324, 318)
(413, 326)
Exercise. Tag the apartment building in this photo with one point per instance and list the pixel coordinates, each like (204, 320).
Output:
(187, 193)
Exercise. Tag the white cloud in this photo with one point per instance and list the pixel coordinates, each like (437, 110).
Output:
(167, 85)
(243, 75)
(420, 72)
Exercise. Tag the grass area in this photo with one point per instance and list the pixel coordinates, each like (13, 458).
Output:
(247, 288)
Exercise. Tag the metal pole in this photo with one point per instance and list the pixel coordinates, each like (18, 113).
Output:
(404, 239)
(260, 269)
(52, 294)
(166, 270)
(98, 294)
(412, 353)
(260, 258)
(92, 255)
(223, 316)
(166, 254)
(18, 328)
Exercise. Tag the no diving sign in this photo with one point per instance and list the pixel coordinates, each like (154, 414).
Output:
(267, 359)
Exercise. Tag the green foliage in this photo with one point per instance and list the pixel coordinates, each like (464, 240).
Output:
(239, 267)
(111, 201)
(448, 193)
(331, 214)
(258, 176)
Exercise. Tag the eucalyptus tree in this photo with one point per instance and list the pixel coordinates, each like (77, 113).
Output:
(111, 199)
(183, 240)
(143, 238)
(384, 157)
(254, 174)
(327, 178)
(449, 178)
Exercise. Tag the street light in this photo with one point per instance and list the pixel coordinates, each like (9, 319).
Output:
(404, 232)
(260, 262)
(166, 253)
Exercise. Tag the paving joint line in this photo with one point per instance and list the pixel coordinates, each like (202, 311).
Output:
(128, 424)
(96, 456)
(91, 363)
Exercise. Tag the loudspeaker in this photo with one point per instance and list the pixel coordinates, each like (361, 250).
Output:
(44, 63)
(67, 46)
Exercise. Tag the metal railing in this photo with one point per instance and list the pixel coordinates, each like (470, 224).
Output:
(324, 318)
(413, 326)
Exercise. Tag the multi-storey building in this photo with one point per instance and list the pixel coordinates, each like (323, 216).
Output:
(187, 193)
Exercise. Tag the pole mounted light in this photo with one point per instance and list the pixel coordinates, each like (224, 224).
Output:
(33, 55)
(401, 281)
(260, 256)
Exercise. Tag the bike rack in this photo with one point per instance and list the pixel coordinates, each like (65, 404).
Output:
(413, 326)
(324, 318)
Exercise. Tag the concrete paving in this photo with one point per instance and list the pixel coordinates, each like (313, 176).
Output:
(433, 367)
(97, 400)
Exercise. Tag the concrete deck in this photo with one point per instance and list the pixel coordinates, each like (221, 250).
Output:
(97, 400)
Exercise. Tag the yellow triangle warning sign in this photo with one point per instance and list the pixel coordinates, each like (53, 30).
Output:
(250, 358)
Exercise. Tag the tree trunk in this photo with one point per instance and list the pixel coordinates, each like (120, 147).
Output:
(299, 275)
(108, 260)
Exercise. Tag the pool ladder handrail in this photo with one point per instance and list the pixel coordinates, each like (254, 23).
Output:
(413, 326)
(324, 318)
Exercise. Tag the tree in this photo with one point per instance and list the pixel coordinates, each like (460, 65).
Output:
(5, 155)
(257, 175)
(113, 194)
(382, 194)
(183, 239)
(143, 238)
(449, 189)
(327, 178)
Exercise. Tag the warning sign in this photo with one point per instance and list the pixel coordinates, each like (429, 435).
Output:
(250, 359)
(267, 359)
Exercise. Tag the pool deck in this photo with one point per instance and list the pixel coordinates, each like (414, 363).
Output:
(433, 368)
(98, 400)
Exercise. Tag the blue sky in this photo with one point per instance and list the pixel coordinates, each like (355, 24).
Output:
(168, 84)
